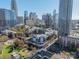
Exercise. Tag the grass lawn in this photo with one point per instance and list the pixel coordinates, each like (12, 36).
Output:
(5, 50)
(5, 54)
(5, 57)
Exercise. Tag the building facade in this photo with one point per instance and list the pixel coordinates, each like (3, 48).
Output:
(48, 20)
(14, 7)
(54, 19)
(68, 41)
(74, 24)
(7, 19)
(20, 20)
(65, 15)
(32, 16)
(25, 17)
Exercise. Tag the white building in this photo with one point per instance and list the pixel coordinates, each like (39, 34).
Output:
(74, 24)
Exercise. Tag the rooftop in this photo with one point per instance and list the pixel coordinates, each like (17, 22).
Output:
(74, 33)
(42, 54)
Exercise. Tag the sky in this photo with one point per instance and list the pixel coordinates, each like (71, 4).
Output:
(39, 6)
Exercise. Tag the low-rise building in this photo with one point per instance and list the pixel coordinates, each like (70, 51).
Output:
(39, 36)
(74, 24)
(70, 40)
(42, 54)
(37, 40)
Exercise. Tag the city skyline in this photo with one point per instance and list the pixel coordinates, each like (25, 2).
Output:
(39, 29)
(40, 7)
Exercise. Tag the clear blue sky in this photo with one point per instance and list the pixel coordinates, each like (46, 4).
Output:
(39, 6)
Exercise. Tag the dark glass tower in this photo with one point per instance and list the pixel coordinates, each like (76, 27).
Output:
(65, 16)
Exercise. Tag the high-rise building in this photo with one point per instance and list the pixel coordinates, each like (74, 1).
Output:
(48, 20)
(32, 16)
(25, 17)
(14, 7)
(65, 16)
(7, 19)
(20, 20)
(54, 19)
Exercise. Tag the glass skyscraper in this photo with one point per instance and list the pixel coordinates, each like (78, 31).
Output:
(7, 18)
(25, 17)
(65, 16)
(14, 7)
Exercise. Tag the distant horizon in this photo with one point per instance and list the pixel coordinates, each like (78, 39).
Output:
(40, 7)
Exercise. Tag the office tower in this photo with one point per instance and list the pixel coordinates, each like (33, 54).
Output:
(48, 20)
(14, 6)
(54, 19)
(7, 19)
(65, 15)
(25, 17)
(32, 19)
(20, 20)
(32, 16)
